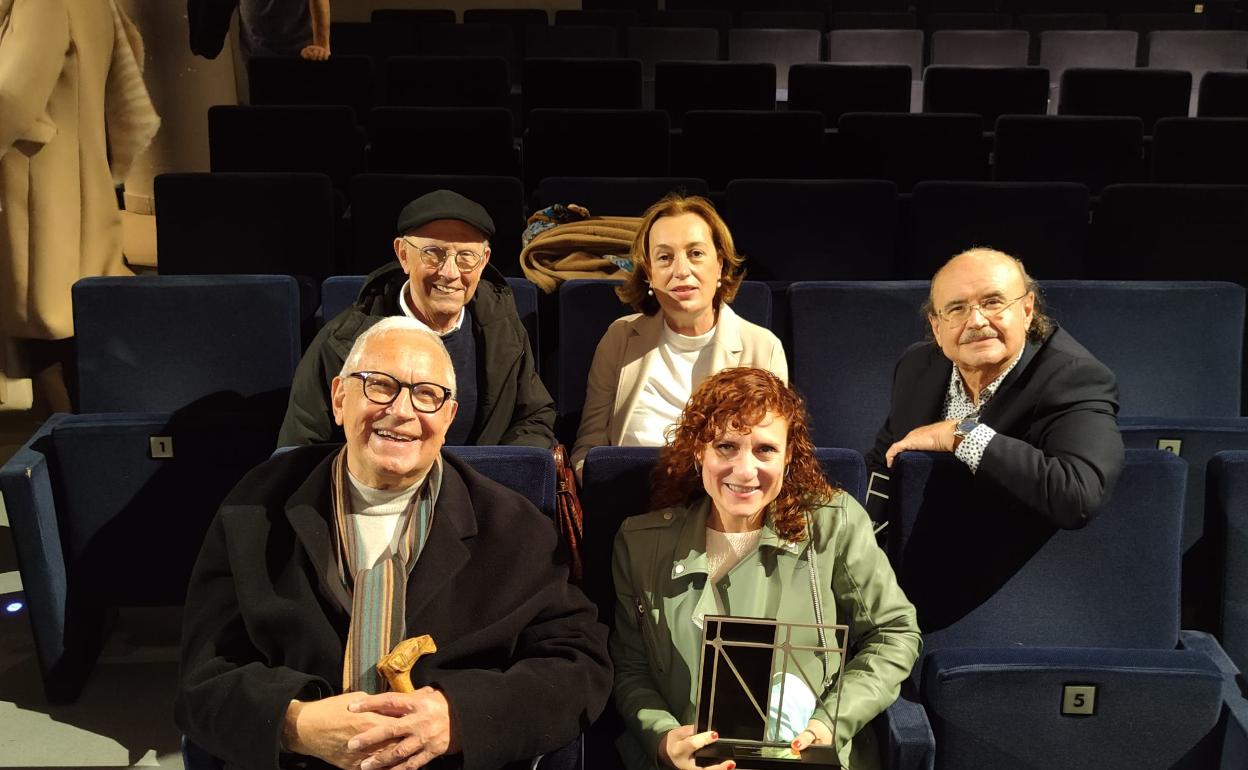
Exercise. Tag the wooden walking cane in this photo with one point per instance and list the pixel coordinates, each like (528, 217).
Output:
(396, 666)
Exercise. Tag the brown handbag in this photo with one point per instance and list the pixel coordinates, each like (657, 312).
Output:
(568, 506)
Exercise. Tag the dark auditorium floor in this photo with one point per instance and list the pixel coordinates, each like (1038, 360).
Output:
(124, 717)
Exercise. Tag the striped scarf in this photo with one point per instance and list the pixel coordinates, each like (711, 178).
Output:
(378, 592)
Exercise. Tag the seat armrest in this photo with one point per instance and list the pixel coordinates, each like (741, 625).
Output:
(905, 735)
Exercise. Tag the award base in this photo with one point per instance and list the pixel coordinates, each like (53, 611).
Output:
(753, 755)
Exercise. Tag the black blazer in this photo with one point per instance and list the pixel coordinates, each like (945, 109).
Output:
(1057, 451)
(521, 659)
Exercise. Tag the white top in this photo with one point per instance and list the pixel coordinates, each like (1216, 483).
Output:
(668, 387)
(406, 306)
(376, 515)
(724, 550)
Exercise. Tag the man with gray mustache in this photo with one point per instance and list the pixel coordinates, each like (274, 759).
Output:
(1014, 397)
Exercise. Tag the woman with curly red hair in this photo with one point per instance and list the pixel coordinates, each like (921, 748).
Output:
(746, 525)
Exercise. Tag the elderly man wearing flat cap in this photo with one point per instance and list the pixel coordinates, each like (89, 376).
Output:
(443, 279)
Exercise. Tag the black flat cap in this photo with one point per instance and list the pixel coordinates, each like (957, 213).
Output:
(444, 204)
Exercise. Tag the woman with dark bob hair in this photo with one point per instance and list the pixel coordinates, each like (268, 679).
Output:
(746, 525)
(686, 273)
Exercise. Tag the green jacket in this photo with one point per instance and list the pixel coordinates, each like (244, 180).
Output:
(660, 569)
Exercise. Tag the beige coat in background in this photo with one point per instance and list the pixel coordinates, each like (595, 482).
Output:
(66, 68)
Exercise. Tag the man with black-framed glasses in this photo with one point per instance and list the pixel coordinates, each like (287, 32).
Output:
(441, 278)
(1017, 399)
(325, 558)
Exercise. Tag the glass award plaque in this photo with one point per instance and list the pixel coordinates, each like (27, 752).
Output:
(759, 681)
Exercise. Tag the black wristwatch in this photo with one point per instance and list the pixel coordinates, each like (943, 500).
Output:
(964, 428)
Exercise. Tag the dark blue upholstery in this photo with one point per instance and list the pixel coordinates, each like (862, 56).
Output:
(1223, 95)
(1145, 93)
(339, 291)
(999, 708)
(525, 469)
(581, 41)
(614, 196)
(342, 79)
(983, 573)
(1197, 440)
(986, 91)
(1201, 151)
(470, 140)
(200, 217)
(1170, 232)
(909, 148)
(1095, 151)
(846, 339)
(616, 485)
(377, 199)
(594, 143)
(318, 139)
(835, 89)
(804, 230)
(477, 39)
(582, 83)
(1192, 370)
(681, 86)
(99, 523)
(209, 343)
(586, 309)
(1228, 500)
(722, 145)
(448, 81)
(1045, 224)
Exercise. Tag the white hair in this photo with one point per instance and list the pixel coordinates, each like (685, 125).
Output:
(394, 325)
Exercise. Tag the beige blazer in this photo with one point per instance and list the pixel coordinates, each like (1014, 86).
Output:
(626, 354)
(60, 81)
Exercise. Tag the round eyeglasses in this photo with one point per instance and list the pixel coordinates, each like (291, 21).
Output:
(989, 307)
(435, 256)
(382, 388)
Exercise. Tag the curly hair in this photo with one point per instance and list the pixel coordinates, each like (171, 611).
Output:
(738, 399)
(1041, 324)
(634, 289)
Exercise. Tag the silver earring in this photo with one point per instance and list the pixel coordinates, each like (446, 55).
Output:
(719, 284)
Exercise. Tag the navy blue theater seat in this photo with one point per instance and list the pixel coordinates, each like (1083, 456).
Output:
(1107, 709)
(814, 229)
(985, 572)
(108, 511)
(846, 339)
(1228, 503)
(1197, 440)
(1191, 366)
(186, 343)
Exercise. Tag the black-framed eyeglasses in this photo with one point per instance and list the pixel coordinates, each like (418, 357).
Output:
(990, 307)
(435, 256)
(382, 388)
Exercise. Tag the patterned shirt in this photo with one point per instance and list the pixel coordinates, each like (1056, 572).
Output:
(958, 406)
